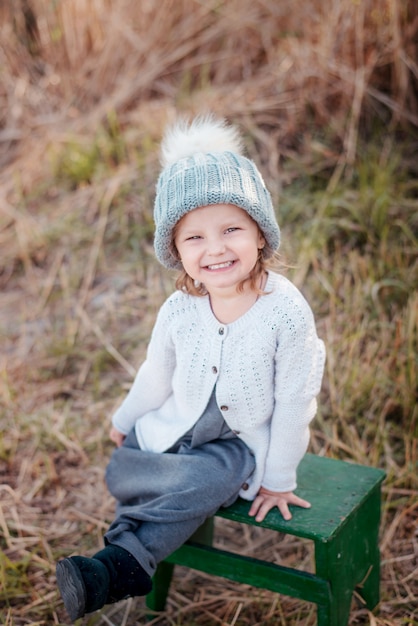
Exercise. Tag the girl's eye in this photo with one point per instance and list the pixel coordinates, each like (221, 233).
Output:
(193, 237)
(231, 229)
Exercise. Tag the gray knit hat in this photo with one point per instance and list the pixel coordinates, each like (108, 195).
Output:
(203, 165)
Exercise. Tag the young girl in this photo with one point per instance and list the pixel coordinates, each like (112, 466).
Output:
(222, 404)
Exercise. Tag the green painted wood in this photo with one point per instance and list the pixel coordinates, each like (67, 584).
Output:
(352, 560)
(343, 523)
(369, 585)
(157, 598)
(252, 572)
(334, 488)
(205, 533)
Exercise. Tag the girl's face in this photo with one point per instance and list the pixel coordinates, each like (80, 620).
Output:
(218, 245)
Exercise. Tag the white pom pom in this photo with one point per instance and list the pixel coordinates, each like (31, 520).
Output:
(204, 134)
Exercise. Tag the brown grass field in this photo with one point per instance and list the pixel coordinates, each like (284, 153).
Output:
(327, 96)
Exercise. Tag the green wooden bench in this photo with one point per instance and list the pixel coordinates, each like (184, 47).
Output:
(343, 523)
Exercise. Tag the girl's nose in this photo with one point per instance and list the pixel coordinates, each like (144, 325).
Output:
(215, 246)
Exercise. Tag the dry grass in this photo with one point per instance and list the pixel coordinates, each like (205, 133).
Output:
(292, 72)
(84, 93)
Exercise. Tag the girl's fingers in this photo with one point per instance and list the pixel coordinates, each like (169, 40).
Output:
(264, 503)
(117, 437)
(255, 505)
(303, 503)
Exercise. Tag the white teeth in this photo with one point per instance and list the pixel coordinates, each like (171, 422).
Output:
(219, 266)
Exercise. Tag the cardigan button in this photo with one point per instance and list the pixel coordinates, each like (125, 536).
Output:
(214, 369)
(245, 487)
(224, 407)
(221, 331)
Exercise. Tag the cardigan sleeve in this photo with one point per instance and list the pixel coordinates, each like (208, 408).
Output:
(153, 382)
(299, 366)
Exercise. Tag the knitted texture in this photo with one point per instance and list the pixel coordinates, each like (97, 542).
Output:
(267, 367)
(205, 178)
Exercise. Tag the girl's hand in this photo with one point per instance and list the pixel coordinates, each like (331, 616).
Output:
(266, 500)
(116, 436)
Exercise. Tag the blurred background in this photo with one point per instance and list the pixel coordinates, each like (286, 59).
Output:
(326, 95)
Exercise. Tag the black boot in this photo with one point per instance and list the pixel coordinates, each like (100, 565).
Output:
(113, 574)
(127, 577)
(83, 584)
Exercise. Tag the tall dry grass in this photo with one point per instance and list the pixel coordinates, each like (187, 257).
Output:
(326, 93)
(288, 73)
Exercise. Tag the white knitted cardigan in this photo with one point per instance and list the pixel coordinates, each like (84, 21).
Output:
(267, 367)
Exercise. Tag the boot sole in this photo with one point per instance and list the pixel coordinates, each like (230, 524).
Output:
(72, 589)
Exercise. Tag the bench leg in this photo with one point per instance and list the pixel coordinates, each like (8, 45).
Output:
(331, 565)
(368, 552)
(349, 560)
(369, 587)
(156, 600)
(337, 611)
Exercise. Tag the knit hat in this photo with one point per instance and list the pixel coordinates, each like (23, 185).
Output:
(203, 165)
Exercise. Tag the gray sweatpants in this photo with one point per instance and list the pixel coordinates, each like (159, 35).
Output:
(164, 498)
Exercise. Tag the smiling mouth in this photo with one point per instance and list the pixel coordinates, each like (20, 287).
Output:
(220, 266)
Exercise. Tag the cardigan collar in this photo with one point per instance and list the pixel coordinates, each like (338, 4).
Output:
(252, 315)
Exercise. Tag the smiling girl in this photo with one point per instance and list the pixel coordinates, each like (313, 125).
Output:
(222, 404)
